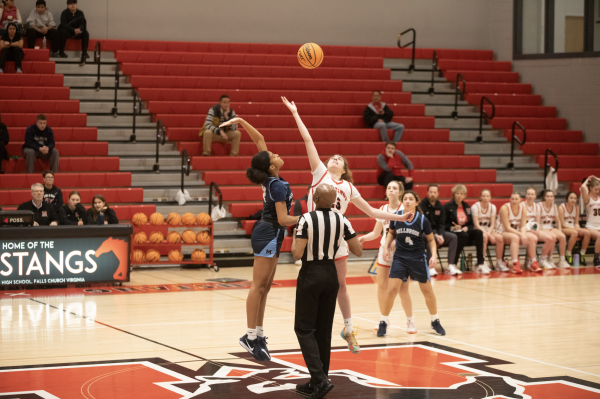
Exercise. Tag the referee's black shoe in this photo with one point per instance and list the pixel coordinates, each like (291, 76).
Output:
(305, 389)
(322, 389)
(382, 329)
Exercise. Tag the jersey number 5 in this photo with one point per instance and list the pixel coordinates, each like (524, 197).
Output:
(408, 241)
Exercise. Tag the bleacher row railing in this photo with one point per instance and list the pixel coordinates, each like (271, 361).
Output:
(161, 137)
(97, 60)
(483, 114)
(458, 92)
(411, 68)
(511, 163)
(137, 110)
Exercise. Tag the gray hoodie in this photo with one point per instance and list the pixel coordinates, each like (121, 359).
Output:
(46, 20)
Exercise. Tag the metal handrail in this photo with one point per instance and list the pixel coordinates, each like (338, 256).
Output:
(434, 62)
(97, 60)
(547, 165)
(514, 138)
(161, 137)
(483, 113)
(210, 196)
(411, 68)
(137, 110)
(185, 167)
(115, 110)
(458, 91)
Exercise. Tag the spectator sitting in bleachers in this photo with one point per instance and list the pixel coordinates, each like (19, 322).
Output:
(44, 214)
(73, 213)
(73, 26)
(484, 219)
(434, 211)
(11, 43)
(41, 24)
(100, 207)
(378, 115)
(39, 143)
(52, 194)
(389, 164)
(10, 13)
(211, 132)
(460, 222)
(4, 140)
(569, 220)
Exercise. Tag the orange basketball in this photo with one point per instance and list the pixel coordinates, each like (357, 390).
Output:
(139, 219)
(175, 255)
(310, 55)
(198, 256)
(140, 238)
(152, 256)
(156, 219)
(173, 219)
(188, 219)
(138, 256)
(203, 237)
(188, 236)
(173, 238)
(203, 219)
(156, 238)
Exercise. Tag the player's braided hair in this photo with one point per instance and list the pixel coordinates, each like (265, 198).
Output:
(258, 171)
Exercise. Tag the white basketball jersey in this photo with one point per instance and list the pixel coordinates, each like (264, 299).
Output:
(484, 216)
(345, 190)
(513, 220)
(386, 223)
(548, 216)
(532, 212)
(570, 217)
(593, 213)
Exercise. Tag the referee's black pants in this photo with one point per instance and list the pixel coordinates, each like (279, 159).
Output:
(316, 297)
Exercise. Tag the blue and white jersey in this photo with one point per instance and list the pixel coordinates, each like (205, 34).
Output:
(409, 243)
(275, 190)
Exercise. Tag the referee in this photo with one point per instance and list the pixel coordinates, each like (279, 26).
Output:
(317, 239)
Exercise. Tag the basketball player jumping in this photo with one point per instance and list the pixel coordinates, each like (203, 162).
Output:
(338, 175)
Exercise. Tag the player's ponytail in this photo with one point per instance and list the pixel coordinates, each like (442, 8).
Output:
(258, 171)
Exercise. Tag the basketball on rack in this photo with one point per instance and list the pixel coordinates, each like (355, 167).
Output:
(203, 219)
(156, 238)
(310, 55)
(140, 238)
(175, 255)
(173, 238)
(139, 219)
(188, 219)
(156, 219)
(198, 255)
(203, 237)
(138, 256)
(173, 219)
(188, 236)
(152, 256)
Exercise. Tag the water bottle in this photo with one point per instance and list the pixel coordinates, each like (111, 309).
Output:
(44, 43)
(576, 260)
(101, 219)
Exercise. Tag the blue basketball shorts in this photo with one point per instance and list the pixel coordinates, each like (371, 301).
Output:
(415, 268)
(266, 239)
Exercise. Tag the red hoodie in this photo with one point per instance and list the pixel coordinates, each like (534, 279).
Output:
(395, 164)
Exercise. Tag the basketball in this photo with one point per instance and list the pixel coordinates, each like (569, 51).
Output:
(203, 219)
(198, 256)
(156, 238)
(138, 256)
(188, 236)
(173, 219)
(156, 219)
(188, 219)
(173, 238)
(203, 237)
(310, 55)
(175, 255)
(140, 238)
(152, 256)
(139, 219)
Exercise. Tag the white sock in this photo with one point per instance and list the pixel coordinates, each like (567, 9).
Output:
(260, 332)
(251, 334)
(515, 261)
(562, 258)
(568, 253)
(434, 317)
(410, 319)
(533, 260)
(543, 258)
(348, 325)
(386, 319)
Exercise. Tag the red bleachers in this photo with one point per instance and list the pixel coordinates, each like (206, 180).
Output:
(504, 99)
(501, 88)
(112, 195)
(32, 67)
(58, 120)
(529, 123)
(446, 64)
(517, 111)
(575, 174)
(550, 135)
(37, 54)
(561, 148)
(66, 164)
(14, 106)
(23, 181)
(35, 93)
(71, 148)
(60, 133)
(572, 161)
(30, 80)
(483, 76)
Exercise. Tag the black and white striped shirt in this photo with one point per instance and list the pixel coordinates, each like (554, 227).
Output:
(325, 231)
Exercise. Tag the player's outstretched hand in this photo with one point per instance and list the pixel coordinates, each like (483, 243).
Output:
(432, 262)
(231, 122)
(291, 106)
(407, 217)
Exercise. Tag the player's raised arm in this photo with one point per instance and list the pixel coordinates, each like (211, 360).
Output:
(255, 135)
(311, 150)
(379, 214)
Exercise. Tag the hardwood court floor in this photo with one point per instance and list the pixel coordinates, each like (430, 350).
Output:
(507, 337)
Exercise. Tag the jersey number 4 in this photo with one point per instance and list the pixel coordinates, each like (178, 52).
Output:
(408, 241)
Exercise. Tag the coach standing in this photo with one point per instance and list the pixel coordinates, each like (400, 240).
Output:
(318, 237)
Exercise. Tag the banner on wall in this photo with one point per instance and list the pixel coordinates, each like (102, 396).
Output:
(63, 261)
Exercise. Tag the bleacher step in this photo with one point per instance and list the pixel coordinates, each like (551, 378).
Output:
(461, 123)
(125, 134)
(417, 87)
(471, 135)
(466, 111)
(107, 106)
(87, 69)
(194, 208)
(141, 163)
(142, 121)
(75, 57)
(152, 178)
(510, 176)
(521, 162)
(134, 149)
(90, 81)
(107, 94)
(153, 194)
(436, 99)
(403, 63)
(416, 76)
(489, 149)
